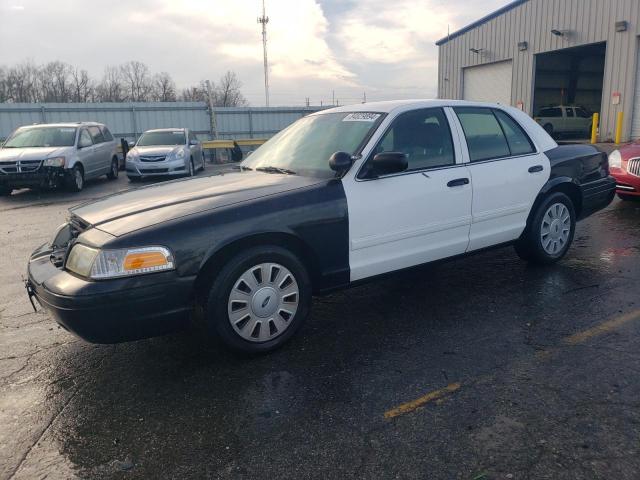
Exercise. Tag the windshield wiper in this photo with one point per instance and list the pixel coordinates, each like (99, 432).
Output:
(240, 167)
(270, 169)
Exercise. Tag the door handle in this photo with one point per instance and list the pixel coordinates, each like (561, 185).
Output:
(458, 182)
(536, 168)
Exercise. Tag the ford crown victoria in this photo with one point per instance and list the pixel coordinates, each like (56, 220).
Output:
(339, 197)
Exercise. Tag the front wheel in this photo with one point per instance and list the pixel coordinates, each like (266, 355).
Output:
(192, 170)
(114, 170)
(76, 179)
(628, 198)
(204, 162)
(550, 232)
(258, 300)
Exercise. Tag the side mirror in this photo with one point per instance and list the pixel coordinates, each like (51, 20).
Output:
(194, 143)
(340, 162)
(131, 144)
(386, 163)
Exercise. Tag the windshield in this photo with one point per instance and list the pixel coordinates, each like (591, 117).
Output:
(149, 139)
(305, 146)
(42, 137)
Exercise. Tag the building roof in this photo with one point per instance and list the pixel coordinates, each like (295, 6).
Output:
(481, 21)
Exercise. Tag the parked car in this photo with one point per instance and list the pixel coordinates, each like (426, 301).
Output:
(625, 168)
(165, 152)
(337, 198)
(562, 120)
(54, 155)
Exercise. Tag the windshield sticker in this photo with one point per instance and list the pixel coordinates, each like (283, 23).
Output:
(361, 117)
(177, 133)
(67, 130)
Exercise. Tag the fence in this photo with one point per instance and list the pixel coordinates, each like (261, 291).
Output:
(129, 120)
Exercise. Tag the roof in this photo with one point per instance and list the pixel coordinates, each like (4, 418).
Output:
(481, 21)
(166, 129)
(62, 124)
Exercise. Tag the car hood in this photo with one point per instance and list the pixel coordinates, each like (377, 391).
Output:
(132, 210)
(33, 153)
(155, 150)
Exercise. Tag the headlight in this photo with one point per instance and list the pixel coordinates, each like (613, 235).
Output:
(101, 264)
(54, 162)
(179, 154)
(132, 156)
(615, 159)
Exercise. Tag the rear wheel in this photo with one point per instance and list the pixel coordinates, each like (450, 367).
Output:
(75, 182)
(548, 236)
(114, 170)
(258, 300)
(204, 162)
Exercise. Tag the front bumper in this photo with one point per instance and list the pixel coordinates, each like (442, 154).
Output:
(111, 311)
(597, 195)
(625, 182)
(49, 177)
(170, 168)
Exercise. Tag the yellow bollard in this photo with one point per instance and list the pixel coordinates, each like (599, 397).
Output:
(619, 120)
(594, 128)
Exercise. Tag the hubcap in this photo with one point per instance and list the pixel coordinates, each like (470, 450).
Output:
(556, 227)
(263, 302)
(78, 179)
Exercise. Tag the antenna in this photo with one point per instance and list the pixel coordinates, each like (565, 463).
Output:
(264, 20)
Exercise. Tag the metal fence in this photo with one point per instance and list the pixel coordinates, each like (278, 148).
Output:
(129, 120)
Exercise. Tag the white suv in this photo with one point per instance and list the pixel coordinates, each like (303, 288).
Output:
(54, 155)
(565, 120)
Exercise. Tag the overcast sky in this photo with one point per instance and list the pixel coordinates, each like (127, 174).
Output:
(382, 47)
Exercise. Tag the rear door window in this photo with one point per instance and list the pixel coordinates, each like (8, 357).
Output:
(107, 134)
(484, 135)
(518, 141)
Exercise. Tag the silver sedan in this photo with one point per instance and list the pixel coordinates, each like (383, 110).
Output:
(165, 152)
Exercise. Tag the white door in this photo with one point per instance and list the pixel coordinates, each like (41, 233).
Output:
(635, 124)
(507, 173)
(409, 218)
(488, 83)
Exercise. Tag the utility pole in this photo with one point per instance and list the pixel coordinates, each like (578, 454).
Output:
(264, 20)
(333, 97)
(364, 97)
(212, 114)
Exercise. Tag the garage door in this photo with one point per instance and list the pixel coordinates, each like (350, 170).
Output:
(635, 124)
(488, 83)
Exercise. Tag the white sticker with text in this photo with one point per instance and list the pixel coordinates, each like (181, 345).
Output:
(361, 117)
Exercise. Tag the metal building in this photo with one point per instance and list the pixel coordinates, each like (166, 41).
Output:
(541, 53)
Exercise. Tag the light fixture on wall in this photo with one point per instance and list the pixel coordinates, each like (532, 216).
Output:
(557, 33)
(622, 26)
(522, 46)
(476, 50)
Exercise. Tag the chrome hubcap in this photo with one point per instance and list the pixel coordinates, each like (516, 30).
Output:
(556, 227)
(263, 302)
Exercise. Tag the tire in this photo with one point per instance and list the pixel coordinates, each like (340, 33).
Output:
(5, 191)
(544, 240)
(75, 182)
(204, 163)
(548, 128)
(114, 169)
(269, 304)
(192, 170)
(629, 198)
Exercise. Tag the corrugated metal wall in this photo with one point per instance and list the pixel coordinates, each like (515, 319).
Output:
(130, 119)
(585, 21)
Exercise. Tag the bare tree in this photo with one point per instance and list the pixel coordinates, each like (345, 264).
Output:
(83, 89)
(4, 85)
(227, 92)
(111, 87)
(194, 94)
(163, 88)
(137, 82)
(54, 82)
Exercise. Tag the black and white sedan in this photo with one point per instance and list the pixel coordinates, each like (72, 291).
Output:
(337, 198)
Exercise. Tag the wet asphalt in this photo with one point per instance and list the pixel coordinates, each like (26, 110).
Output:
(540, 369)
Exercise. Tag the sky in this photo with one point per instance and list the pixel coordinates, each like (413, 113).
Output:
(384, 49)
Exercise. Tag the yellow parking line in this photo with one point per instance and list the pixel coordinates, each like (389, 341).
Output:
(418, 402)
(602, 328)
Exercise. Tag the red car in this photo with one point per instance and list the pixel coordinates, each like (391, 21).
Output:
(624, 165)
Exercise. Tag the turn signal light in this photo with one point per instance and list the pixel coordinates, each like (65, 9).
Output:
(138, 260)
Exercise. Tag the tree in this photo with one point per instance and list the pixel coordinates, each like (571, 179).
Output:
(22, 81)
(54, 82)
(110, 88)
(137, 82)
(227, 92)
(83, 89)
(4, 85)
(163, 88)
